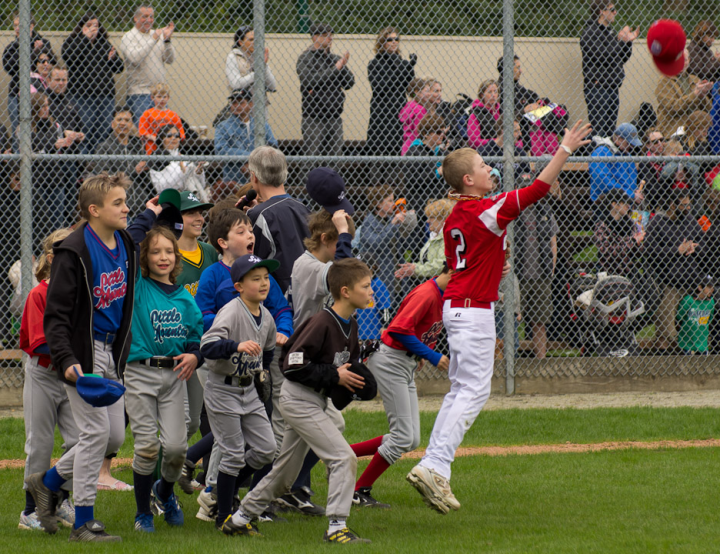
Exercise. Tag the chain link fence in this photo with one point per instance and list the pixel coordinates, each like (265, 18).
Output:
(614, 268)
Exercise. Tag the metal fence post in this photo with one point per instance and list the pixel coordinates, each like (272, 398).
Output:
(508, 102)
(259, 96)
(24, 139)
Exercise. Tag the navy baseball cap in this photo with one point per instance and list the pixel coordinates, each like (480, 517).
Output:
(245, 263)
(189, 201)
(98, 391)
(170, 215)
(327, 188)
(241, 94)
(629, 132)
(341, 396)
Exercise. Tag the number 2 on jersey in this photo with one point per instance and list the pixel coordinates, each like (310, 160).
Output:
(457, 235)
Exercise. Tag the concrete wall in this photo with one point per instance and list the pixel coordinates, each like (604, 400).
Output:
(551, 67)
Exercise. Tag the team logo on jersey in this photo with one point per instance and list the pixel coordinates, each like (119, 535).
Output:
(113, 286)
(341, 358)
(246, 364)
(167, 324)
(430, 336)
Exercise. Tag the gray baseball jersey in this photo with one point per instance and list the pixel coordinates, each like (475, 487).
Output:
(309, 289)
(235, 322)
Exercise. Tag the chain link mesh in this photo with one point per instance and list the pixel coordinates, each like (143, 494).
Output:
(381, 92)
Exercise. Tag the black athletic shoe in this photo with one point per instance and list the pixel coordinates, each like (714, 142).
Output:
(249, 529)
(299, 501)
(363, 499)
(344, 536)
(269, 516)
(46, 502)
(92, 531)
(186, 478)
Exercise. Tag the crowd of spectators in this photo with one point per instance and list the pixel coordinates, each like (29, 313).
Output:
(75, 110)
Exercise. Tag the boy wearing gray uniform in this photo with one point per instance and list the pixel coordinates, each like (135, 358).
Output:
(87, 326)
(238, 345)
(411, 335)
(316, 359)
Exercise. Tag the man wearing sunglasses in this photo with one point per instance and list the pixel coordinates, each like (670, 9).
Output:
(604, 55)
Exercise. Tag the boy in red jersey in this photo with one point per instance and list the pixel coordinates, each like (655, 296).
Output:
(475, 244)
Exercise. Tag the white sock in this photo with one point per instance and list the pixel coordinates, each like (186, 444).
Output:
(240, 518)
(336, 525)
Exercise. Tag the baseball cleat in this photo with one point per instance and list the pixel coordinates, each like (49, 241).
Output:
(29, 522)
(434, 488)
(66, 513)
(92, 531)
(186, 477)
(299, 501)
(208, 505)
(363, 499)
(344, 536)
(231, 529)
(46, 502)
(170, 508)
(144, 523)
(269, 516)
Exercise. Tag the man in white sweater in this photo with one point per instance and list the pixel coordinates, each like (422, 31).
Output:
(146, 51)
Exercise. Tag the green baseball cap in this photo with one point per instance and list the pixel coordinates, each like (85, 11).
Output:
(190, 201)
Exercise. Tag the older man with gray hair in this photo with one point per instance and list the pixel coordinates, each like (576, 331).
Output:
(280, 222)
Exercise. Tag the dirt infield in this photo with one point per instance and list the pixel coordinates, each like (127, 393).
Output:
(523, 450)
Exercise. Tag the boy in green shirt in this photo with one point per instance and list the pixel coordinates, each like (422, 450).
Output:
(695, 315)
(197, 256)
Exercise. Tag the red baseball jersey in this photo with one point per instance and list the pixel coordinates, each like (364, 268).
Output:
(420, 314)
(476, 240)
(31, 327)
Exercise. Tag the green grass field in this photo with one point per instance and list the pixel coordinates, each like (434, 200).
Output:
(622, 501)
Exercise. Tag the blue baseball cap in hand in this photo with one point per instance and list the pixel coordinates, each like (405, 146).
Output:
(98, 391)
(629, 132)
(327, 188)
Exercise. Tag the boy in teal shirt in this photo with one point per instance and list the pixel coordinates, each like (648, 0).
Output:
(695, 315)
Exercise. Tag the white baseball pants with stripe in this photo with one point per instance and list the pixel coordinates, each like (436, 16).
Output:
(471, 336)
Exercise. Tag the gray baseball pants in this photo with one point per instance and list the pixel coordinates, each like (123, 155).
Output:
(45, 405)
(101, 432)
(308, 426)
(193, 400)
(394, 372)
(237, 417)
(154, 400)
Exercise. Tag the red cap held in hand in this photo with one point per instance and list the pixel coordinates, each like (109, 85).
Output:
(666, 41)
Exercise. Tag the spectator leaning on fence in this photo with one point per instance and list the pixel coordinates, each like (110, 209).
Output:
(236, 135)
(123, 141)
(11, 65)
(484, 112)
(177, 175)
(605, 176)
(324, 78)
(680, 96)
(673, 248)
(604, 55)
(146, 52)
(389, 75)
(617, 237)
(92, 63)
(650, 170)
(704, 63)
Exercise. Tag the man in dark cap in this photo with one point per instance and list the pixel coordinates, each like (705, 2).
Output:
(324, 78)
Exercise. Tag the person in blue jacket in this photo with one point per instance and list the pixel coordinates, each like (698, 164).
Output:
(605, 176)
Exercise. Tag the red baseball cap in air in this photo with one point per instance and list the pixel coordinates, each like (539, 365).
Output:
(666, 41)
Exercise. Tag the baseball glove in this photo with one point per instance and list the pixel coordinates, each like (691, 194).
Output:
(263, 384)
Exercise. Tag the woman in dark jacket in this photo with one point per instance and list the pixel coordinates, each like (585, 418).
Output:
(704, 63)
(92, 63)
(389, 77)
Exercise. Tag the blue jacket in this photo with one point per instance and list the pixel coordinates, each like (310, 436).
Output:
(714, 134)
(216, 289)
(607, 176)
(233, 138)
